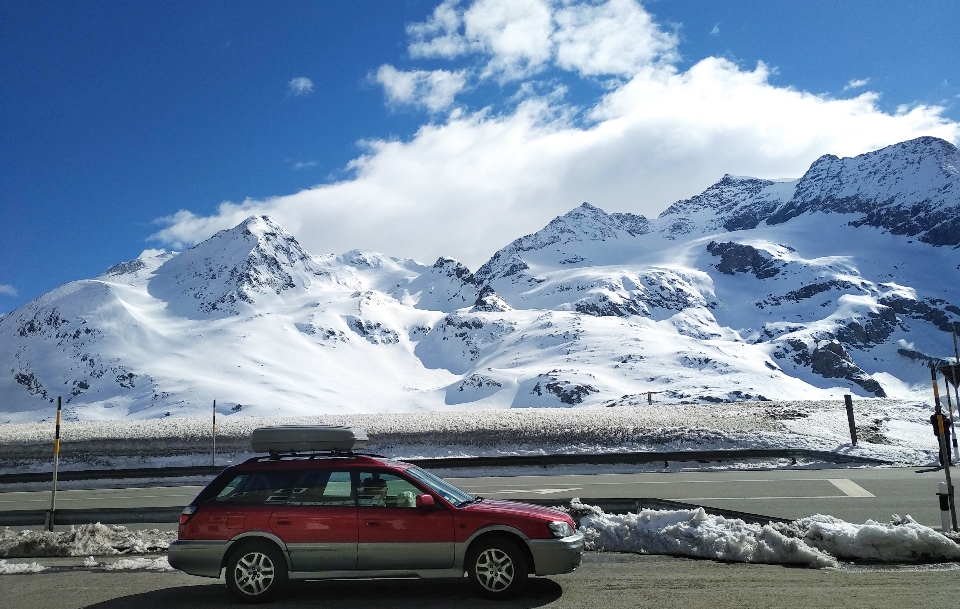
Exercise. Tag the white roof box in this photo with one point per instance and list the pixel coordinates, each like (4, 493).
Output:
(307, 438)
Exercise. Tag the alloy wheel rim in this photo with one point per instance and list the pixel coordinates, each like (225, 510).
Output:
(254, 573)
(494, 569)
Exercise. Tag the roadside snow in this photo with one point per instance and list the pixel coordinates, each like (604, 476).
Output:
(9, 568)
(892, 430)
(149, 564)
(87, 539)
(816, 541)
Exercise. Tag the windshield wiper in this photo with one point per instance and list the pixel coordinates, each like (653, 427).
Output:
(473, 499)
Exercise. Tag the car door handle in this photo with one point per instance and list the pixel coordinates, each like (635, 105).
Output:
(284, 521)
(373, 523)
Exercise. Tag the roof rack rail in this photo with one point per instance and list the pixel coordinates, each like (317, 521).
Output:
(276, 456)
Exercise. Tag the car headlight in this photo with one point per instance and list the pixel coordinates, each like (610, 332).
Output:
(561, 529)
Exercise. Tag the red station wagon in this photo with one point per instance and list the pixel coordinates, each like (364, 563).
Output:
(314, 509)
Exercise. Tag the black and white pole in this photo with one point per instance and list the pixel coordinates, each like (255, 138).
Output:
(953, 435)
(213, 455)
(51, 516)
(848, 402)
(944, 451)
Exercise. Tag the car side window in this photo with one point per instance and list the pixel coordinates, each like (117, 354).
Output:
(256, 488)
(380, 489)
(322, 487)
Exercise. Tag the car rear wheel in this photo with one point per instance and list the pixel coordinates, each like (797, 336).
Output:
(256, 571)
(497, 568)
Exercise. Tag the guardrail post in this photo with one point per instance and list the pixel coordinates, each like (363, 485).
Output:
(848, 402)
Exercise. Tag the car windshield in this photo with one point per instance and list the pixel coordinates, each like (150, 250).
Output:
(440, 486)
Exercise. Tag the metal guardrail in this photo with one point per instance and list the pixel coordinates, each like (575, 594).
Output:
(170, 515)
(478, 462)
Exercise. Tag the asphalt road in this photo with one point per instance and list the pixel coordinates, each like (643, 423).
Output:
(609, 581)
(853, 494)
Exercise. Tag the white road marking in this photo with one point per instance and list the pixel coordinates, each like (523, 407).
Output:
(539, 491)
(850, 488)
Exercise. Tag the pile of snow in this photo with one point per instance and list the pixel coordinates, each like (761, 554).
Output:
(86, 539)
(131, 564)
(10, 568)
(818, 541)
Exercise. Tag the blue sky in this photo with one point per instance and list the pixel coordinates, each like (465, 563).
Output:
(424, 129)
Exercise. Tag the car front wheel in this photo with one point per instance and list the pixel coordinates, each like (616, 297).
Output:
(256, 572)
(497, 568)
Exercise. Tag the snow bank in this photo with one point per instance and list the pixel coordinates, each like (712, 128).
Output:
(904, 433)
(696, 534)
(901, 540)
(86, 539)
(817, 541)
(9, 568)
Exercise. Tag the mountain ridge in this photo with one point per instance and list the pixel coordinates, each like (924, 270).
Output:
(754, 289)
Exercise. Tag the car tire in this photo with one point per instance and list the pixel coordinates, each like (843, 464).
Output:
(256, 571)
(497, 568)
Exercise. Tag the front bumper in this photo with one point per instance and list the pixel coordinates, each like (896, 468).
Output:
(198, 557)
(555, 556)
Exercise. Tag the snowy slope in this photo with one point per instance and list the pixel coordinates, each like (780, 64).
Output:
(842, 280)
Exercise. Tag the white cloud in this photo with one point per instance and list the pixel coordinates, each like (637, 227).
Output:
(434, 90)
(7, 289)
(467, 186)
(856, 84)
(521, 37)
(304, 164)
(300, 86)
(716, 29)
(617, 37)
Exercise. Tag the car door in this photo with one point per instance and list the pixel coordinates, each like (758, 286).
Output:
(394, 534)
(318, 523)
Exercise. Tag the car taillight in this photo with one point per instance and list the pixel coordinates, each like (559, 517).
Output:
(186, 514)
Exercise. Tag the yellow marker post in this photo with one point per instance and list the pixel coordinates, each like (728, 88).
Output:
(56, 463)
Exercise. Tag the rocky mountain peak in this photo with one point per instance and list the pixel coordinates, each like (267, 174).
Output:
(234, 267)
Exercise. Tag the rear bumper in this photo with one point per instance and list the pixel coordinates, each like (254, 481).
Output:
(203, 558)
(555, 556)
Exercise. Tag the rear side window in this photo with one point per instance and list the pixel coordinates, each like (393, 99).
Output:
(256, 488)
(322, 487)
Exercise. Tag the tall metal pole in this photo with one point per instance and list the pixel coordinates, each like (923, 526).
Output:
(56, 464)
(213, 456)
(944, 454)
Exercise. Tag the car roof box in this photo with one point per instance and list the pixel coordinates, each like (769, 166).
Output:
(307, 438)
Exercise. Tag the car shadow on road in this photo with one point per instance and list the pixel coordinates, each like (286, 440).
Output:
(387, 594)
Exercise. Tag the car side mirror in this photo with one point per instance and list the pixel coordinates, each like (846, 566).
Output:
(425, 501)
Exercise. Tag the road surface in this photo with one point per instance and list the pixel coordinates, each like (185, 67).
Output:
(608, 581)
(853, 494)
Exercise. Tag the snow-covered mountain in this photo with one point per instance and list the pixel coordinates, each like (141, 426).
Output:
(844, 279)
